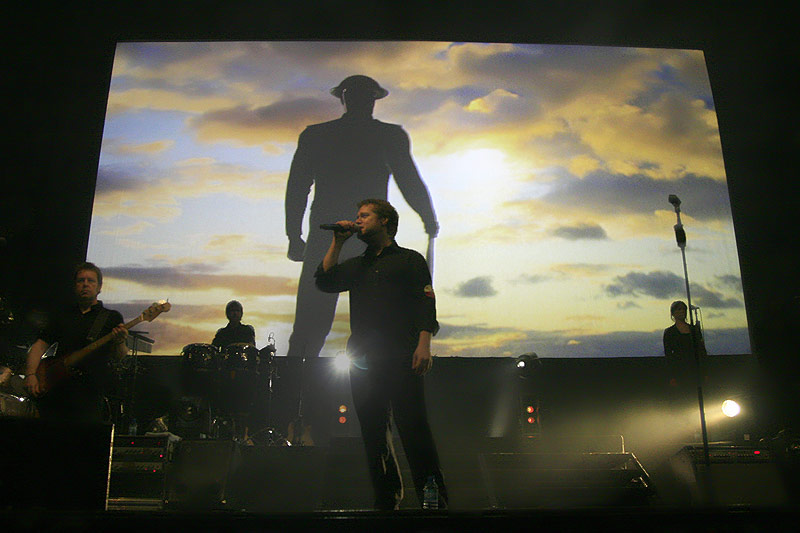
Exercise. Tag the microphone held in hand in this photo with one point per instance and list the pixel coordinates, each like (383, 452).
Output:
(336, 227)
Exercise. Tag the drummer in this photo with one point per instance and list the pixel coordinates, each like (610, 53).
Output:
(235, 332)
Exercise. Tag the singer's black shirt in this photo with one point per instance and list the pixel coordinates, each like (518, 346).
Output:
(391, 301)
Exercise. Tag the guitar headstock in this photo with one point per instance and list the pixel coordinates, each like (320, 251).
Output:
(156, 309)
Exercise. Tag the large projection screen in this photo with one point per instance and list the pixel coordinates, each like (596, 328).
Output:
(549, 168)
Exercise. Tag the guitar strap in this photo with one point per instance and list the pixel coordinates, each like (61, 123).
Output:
(99, 322)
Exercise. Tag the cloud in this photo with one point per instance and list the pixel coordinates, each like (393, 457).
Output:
(658, 284)
(581, 231)
(278, 122)
(479, 287)
(580, 269)
(530, 279)
(133, 229)
(601, 192)
(149, 148)
(665, 285)
(223, 247)
(153, 193)
(730, 281)
(187, 277)
(492, 102)
(705, 297)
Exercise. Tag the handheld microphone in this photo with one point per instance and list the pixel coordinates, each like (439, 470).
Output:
(336, 227)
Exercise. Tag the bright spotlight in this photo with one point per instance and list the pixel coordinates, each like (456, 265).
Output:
(526, 364)
(341, 362)
(731, 408)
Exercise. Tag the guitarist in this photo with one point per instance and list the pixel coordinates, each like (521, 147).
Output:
(80, 397)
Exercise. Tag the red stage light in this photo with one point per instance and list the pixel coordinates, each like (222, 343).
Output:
(530, 409)
(531, 419)
(342, 419)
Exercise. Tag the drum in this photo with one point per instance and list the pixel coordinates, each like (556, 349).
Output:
(201, 357)
(240, 356)
(17, 406)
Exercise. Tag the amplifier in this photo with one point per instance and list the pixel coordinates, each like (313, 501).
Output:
(724, 453)
(138, 468)
(735, 475)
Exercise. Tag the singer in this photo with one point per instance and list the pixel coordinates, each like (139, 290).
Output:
(392, 320)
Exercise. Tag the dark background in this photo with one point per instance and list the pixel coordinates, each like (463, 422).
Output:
(58, 68)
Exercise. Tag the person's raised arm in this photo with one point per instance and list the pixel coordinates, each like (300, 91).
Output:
(339, 237)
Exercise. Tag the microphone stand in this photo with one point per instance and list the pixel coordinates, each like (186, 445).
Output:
(680, 237)
(138, 338)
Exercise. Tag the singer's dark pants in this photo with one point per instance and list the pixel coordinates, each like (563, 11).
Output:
(380, 395)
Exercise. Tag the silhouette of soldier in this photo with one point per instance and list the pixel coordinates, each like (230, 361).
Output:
(346, 159)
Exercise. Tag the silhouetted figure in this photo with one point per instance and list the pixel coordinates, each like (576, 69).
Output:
(679, 349)
(346, 159)
(235, 332)
(678, 343)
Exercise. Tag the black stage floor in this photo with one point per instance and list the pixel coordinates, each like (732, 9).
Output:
(652, 520)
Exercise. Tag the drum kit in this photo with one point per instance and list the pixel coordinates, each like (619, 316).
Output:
(225, 393)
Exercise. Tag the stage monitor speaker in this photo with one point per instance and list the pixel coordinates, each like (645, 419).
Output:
(189, 417)
(735, 475)
(197, 479)
(564, 480)
(54, 465)
(277, 479)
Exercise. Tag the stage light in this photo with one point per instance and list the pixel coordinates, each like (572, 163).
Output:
(526, 365)
(342, 408)
(529, 415)
(730, 408)
(342, 419)
(341, 362)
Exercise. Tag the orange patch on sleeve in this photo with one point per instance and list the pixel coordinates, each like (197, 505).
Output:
(429, 291)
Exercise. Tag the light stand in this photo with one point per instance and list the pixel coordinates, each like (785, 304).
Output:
(680, 236)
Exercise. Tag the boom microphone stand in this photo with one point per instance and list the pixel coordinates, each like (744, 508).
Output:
(680, 236)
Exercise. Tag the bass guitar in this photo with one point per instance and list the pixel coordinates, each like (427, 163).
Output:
(54, 369)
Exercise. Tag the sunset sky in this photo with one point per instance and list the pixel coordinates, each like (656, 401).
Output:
(549, 168)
